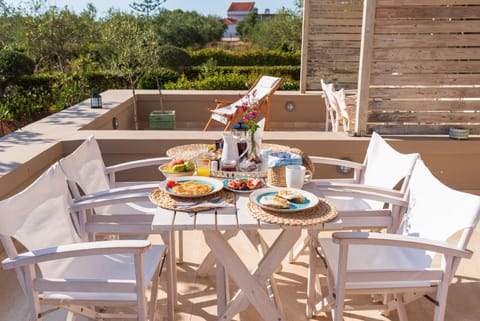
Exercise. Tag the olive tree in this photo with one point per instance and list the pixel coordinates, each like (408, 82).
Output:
(187, 29)
(134, 49)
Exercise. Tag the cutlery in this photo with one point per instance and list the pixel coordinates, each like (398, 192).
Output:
(213, 200)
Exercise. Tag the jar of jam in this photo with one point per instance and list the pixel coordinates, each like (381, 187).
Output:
(228, 166)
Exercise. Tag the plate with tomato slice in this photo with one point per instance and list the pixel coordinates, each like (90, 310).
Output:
(243, 185)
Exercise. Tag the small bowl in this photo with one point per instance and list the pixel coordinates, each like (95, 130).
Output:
(176, 174)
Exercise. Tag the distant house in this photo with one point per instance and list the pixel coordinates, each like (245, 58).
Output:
(236, 12)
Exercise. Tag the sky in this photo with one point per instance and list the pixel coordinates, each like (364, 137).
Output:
(204, 7)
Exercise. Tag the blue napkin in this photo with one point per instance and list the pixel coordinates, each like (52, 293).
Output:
(283, 158)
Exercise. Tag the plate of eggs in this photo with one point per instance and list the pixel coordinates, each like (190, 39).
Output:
(283, 199)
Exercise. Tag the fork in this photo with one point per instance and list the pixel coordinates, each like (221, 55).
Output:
(214, 199)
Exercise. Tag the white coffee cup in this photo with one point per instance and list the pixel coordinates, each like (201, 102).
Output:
(297, 175)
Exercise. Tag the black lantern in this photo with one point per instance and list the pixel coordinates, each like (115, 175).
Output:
(96, 100)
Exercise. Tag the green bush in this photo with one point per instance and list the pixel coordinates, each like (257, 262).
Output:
(230, 81)
(277, 71)
(245, 58)
(173, 57)
(14, 64)
(164, 75)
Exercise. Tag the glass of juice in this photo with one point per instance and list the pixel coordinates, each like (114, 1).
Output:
(202, 166)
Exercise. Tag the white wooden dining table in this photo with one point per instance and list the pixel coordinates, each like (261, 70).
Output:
(215, 224)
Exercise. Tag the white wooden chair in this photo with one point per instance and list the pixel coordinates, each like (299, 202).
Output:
(337, 108)
(404, 266)
(59, 270)
(228, 112)
(332, 111)
(87, 176)
(382, 170)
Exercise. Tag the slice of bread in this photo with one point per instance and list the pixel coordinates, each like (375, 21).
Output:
(275, 202)
(292, 196)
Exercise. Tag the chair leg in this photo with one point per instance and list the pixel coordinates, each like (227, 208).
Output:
(154, 292)
(267, 115)
(180, 246)
(209, 123)
(402, 312)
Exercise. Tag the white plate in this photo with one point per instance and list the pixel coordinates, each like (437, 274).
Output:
(312, 199)
(215, 183)
(225, 185)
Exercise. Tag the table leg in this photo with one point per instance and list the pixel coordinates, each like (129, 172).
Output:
(209, 259)
(172, 299)
(222, 288)
(251, 286)
(313, 283)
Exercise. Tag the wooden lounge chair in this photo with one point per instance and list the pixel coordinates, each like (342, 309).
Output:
(229, 112)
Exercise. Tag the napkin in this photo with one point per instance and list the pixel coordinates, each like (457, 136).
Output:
(283, 158)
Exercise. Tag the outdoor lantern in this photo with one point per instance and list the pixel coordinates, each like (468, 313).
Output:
(96, 100)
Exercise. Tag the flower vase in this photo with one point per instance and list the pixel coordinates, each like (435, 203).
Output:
(253, 153)
(253, 160)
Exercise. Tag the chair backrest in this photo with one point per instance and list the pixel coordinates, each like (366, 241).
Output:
(436, 211)
(331, 105)
(39, 216)
(341, 100)
(264, 87)
(86, 168)
(386, 167)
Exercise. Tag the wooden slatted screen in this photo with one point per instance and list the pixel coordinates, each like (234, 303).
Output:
(331, 43)
(421, 68)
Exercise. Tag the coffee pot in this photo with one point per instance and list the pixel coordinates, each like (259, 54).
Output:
(231, 144)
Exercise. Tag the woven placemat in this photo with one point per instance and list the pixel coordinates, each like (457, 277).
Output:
(324, 212)
(165, 200)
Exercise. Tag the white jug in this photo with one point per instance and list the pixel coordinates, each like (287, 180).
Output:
(230, 148)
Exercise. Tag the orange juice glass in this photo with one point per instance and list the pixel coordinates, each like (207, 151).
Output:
(203, 167)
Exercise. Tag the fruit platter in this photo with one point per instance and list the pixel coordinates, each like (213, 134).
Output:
(177, 168)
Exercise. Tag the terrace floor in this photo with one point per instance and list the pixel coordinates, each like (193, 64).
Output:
(197, 294)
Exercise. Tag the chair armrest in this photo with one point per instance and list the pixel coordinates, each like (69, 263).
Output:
(139, 188)
(371, 194)
(388, 239)
(337, 162)
(325, 185)
(222, 103)
(113, 169)
(107, 199)
(75, 250)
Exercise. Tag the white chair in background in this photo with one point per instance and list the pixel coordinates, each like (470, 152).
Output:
(338, 108)
(404, 266)
(331, 107)
(60, 270)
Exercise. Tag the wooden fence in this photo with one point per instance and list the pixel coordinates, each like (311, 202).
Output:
(416, 63)
(331, 43)
(420, 67)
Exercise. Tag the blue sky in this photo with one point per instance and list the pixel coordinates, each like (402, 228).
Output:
(205, 7)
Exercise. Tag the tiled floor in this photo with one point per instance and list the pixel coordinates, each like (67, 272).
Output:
(197, 296)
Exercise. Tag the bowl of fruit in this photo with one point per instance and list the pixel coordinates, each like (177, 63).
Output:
(177, 168)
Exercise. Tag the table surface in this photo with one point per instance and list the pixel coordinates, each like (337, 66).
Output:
(236, 217)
